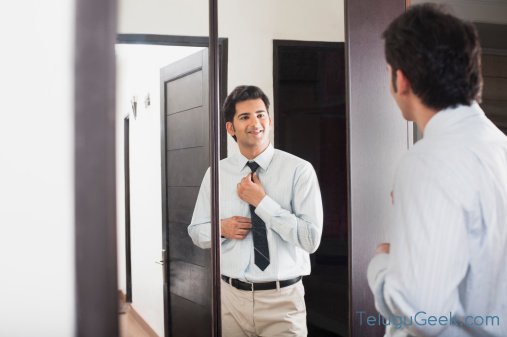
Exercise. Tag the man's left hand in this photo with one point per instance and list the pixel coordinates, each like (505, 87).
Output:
(250, 191)
(383, 248)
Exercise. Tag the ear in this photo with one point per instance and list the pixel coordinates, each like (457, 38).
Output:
(402, 82)
(230, 128)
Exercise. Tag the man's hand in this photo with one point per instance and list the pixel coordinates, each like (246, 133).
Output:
(383, 248)
(236, 227)
(250, 191)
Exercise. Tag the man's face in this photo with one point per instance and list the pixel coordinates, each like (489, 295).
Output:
(251, 124)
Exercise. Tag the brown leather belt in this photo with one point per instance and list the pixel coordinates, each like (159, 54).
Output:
(238, 284)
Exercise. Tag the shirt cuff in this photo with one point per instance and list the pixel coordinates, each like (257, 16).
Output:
(376, 269)
(266, 209)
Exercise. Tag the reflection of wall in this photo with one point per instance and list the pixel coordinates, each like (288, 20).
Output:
(138, 72)
(37, 269)
(250, 27)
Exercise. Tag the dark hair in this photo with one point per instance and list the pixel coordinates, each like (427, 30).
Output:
(438, 53)
(240, 94)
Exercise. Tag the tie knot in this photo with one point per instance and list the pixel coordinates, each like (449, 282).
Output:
(253, 165)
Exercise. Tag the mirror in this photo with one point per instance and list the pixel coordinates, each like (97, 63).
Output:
(163, 147)
(295, 54)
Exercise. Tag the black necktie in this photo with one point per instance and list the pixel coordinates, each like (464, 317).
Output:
(260, 238)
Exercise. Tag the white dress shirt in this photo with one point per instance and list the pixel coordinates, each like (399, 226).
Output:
(291, 210)
(448, 253)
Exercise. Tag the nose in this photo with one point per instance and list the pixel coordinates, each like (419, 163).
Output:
(255, 122)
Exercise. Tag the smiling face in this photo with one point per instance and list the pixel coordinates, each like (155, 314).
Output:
(251, 125)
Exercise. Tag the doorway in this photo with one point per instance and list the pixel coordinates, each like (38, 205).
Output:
(138, 73)
(153, 210)
(309, 98)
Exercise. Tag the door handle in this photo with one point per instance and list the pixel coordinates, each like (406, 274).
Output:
(164, 258)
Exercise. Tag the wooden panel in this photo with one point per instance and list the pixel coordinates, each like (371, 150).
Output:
(494, 66)
(181, 201)
(492, 35)
(186, 280)
(497, 112)
(377, 138)
(183, 326)
(187, 167)
(182, 248)
(494, 107)
(187, 129)
(179, 98)
(495, 88)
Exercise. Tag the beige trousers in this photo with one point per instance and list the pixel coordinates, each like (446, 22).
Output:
(264, 313)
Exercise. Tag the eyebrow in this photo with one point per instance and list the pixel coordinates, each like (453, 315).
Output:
(247, 113)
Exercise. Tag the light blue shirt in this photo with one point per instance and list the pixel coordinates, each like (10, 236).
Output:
(291, 210)
(449, 235)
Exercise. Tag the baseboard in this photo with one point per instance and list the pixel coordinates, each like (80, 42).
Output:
(126, 308)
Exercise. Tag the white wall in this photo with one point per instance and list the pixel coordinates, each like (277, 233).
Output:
(250, 27)
(138, 74)
(36, 169)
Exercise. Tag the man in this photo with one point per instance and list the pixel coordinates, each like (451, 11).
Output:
(271, 213)
(444, 272)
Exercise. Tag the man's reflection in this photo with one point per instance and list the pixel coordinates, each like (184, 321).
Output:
(271, 211)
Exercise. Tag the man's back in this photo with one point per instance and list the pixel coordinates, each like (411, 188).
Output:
(461, 164)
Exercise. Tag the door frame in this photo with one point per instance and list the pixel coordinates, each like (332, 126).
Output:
(96, 286)
(126, 168)
(369, 115)
(180, 41)
(94, 149)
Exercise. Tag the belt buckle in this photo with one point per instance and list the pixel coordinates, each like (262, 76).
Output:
(251, 285)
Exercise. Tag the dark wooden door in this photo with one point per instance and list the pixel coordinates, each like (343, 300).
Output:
(309, 83)
(185, 158)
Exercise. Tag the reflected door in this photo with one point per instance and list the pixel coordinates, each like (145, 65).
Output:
(185, 158)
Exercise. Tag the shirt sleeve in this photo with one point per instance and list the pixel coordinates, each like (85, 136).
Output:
(428, 257)
(303, 226)
(200, 226)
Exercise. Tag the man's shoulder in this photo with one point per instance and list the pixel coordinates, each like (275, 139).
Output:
(287, 157)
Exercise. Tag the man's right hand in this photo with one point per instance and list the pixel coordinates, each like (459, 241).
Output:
(236, 228)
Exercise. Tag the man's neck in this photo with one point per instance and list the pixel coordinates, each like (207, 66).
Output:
(251, 153)
(423, 118)
(422, 115)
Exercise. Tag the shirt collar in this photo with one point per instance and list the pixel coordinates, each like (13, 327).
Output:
(263, 159)
(443, 120)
